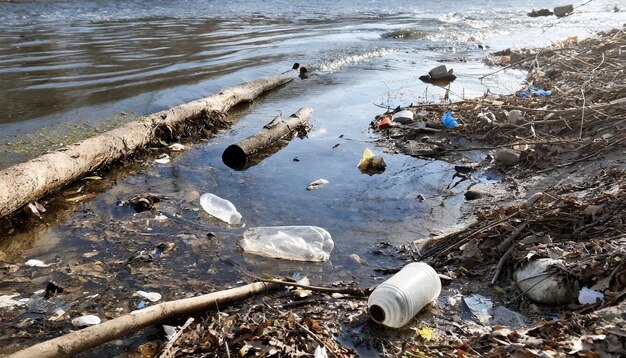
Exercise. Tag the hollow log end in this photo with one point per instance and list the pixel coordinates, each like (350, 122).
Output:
(235, 157)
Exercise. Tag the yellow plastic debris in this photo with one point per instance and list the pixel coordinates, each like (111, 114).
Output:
(367, 154)
(425, 333)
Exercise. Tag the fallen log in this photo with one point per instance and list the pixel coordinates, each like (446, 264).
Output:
(26, 182)
(238, 155)
(81, 340)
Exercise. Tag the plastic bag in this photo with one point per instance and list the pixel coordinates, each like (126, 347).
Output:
(297, 243)
(448, 120)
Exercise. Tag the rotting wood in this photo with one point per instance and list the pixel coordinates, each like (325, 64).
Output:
(81, 340)
(237, 155)
(27, 182)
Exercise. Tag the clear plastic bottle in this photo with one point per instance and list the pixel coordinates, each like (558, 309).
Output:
(396, 301)
(298, 243)
(220, 208)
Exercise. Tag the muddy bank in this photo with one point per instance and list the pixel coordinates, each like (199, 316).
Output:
(298, 321)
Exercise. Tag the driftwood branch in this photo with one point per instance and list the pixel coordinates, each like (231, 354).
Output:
(349, 291)
(29, 181)
(237, 155)
(78, 341)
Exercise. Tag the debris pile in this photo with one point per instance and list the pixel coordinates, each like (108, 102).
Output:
(571, 111)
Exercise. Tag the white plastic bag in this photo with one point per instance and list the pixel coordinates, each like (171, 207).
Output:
(298, 243)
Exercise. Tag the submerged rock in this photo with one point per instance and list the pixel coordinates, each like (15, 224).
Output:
(541, 12)
(439, 74)
(561, 11)
(507, 156)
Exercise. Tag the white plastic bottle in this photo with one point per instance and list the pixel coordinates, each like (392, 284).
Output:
(220, 208)
(396, 301)
(298, 243)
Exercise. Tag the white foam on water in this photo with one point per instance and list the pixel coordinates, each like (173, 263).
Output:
(343, 62)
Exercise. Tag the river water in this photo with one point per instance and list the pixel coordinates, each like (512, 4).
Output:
(80, 66)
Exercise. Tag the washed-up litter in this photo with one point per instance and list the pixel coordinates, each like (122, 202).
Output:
(37, 306)
(403, 117)
(506, 317)
(449, 121)
(298, 243)
(176, 147)
(36, 263)
(303, 292)
(316, 184)
(587, 296)
(320, 352)
(169, 331)
(162, 159)
(220, 208)
(151, 296)
(534, 91)
(481, 308)
(385, 123)
(396, 301)
(371, 163)
(8, 301)
(84, 321)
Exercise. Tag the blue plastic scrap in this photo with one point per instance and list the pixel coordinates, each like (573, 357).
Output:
(141, 304)
(448, 121)
(534, 90)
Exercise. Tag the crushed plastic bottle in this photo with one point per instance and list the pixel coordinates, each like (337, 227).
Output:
(298, 243)
(396, 301)
(220, 208)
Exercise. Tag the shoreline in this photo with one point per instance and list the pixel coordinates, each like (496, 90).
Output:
(292, 321)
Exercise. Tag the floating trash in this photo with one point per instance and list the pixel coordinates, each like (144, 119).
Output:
(298, 243)
(220, 208)
(316, 184)
(371, 163)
